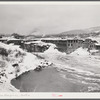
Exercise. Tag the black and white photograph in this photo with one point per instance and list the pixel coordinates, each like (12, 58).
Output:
(50, 47)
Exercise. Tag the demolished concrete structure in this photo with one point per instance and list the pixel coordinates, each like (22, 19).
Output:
(35, 46)
(63, 45)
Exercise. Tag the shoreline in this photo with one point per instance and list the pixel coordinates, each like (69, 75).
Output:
(46, 80)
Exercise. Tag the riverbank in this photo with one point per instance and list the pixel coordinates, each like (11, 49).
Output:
(47, 80)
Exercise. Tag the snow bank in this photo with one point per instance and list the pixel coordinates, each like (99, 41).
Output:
(80, 51)
(92, 51)
(53, 50)
(51, 54)
(9, 38)
(84, 52)
(14, 63)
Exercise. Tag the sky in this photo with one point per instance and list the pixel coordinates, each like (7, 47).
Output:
(47, 18)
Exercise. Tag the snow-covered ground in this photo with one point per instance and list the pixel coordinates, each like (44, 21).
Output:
(9, 38)
(13, 62)
(81, 52)
(81, 64)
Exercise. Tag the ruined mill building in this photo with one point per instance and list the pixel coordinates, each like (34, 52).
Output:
(63, 45)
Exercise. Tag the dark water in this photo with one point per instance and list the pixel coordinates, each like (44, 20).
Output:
(47, 80)
(76, 75)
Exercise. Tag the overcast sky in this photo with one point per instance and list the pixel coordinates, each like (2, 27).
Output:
(47, 19)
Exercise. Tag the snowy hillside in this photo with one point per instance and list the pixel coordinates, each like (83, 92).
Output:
(13, 62)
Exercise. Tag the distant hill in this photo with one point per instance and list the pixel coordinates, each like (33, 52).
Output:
(37, 33)
(83, 31)
(93, 31)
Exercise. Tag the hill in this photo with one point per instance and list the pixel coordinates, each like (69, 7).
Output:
(83, 33)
